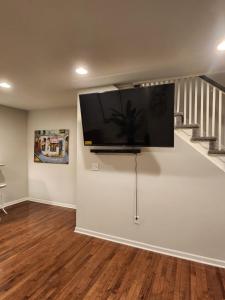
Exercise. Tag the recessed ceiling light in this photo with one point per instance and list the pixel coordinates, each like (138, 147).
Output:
(221, 46)
(81, 71)
(5, 85)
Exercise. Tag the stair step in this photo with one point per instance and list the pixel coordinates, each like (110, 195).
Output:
(216, 152)
(178, 114)
(203, 139)
(187, 126)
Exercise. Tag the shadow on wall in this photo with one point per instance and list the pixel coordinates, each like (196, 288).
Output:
(180, 162)
(2, 177)
(122, 162)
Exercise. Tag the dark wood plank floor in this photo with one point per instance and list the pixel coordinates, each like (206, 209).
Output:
(42, 258)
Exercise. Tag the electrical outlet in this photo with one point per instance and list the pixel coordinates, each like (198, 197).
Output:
(95, 166)
(137, 220)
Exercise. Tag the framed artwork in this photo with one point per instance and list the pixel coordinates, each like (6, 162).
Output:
(51, 146)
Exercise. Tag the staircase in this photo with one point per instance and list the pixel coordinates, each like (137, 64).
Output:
(199, 115)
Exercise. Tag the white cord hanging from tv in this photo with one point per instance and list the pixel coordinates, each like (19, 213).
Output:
(136, 216)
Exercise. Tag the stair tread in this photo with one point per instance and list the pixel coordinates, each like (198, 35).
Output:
(216, 152)
(203, 138)
(187, 126)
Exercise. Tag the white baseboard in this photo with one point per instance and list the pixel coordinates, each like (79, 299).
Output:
(157, 249)
(67, 205)
(6, 204)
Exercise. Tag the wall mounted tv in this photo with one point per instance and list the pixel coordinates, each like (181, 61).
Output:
(141, 117)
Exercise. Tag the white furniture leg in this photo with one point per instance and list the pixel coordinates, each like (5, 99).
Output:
(2, 185)
(3, 209)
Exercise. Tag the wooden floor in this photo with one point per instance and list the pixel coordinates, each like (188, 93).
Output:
(42, 258)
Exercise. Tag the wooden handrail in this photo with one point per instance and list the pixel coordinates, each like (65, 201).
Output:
(213, 82)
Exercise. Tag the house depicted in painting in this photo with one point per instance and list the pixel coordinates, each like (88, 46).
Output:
(51, 146)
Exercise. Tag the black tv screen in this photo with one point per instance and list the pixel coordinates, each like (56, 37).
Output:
(132, 117)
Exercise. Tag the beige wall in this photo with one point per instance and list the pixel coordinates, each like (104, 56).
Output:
(181, 198)
(51, 182)
(13, 152)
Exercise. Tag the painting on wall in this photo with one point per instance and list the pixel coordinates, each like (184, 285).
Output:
(51, 146)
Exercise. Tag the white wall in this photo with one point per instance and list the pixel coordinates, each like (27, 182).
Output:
(181, 196)
(13, 152)
(52, 182)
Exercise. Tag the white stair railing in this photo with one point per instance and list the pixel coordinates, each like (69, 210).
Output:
(190, 101)
(201, 103)
(202, 109)
(220, 122)
(196, 102)
(213, 111)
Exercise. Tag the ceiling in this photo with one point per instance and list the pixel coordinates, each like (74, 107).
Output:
(43, 41)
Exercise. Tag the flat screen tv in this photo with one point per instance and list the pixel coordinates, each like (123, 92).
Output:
(141, 117)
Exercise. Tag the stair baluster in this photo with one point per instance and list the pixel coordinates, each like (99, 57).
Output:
(199, 106)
